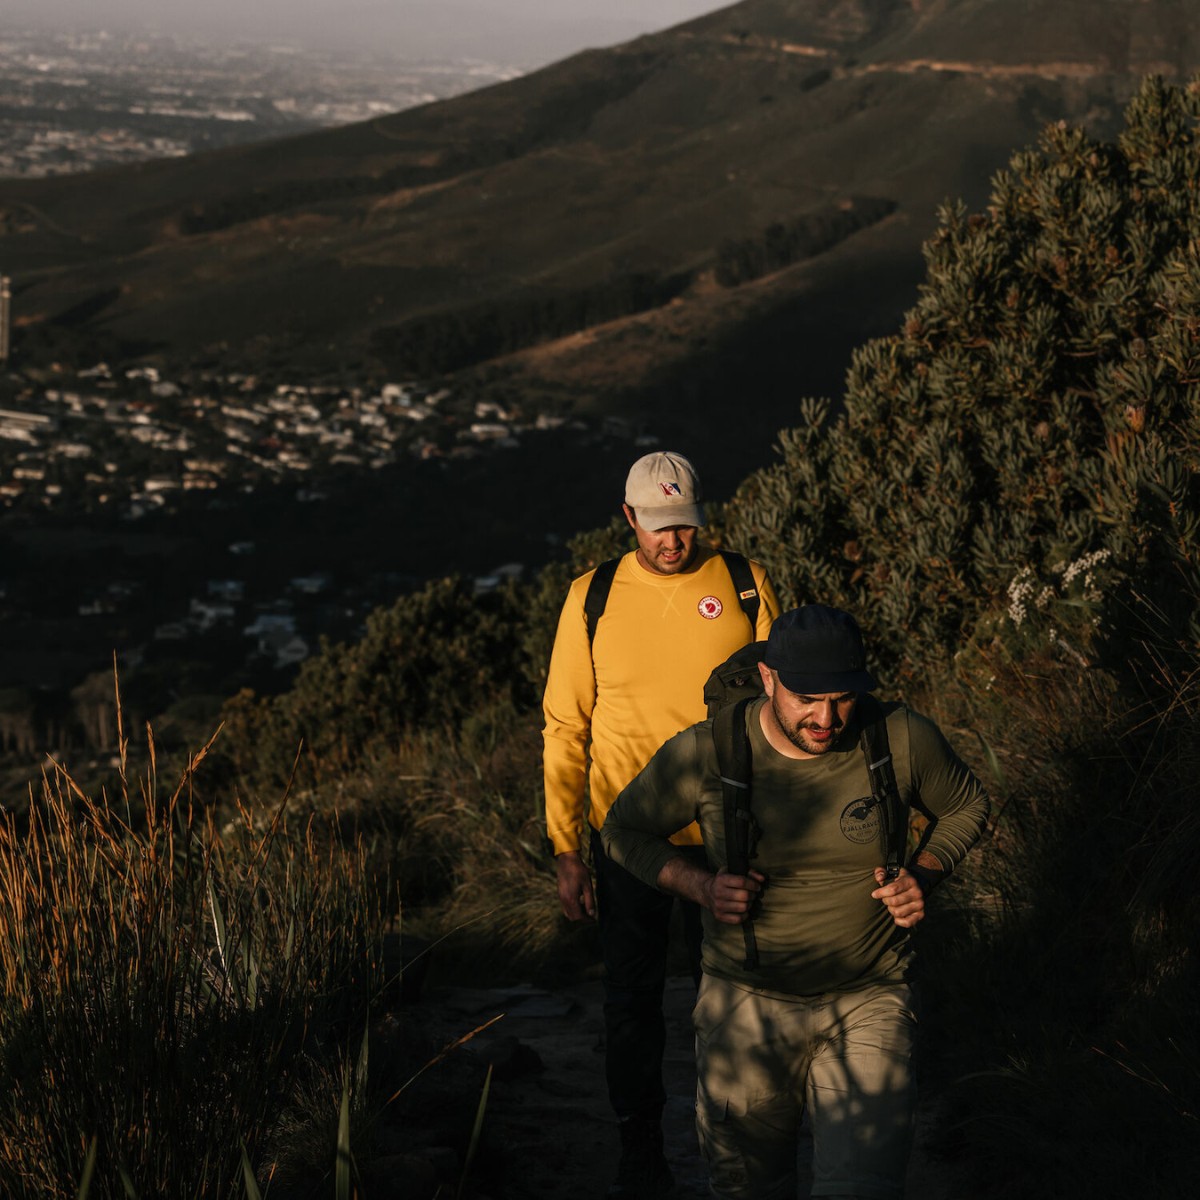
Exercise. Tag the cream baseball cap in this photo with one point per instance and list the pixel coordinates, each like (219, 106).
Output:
(663, 489)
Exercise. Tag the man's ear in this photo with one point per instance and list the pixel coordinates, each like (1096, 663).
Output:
(629, 516)
(768, 678)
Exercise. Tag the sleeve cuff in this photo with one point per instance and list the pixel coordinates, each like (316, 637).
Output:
(926, 879)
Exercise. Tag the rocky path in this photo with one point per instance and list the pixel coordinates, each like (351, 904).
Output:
(549, 1134)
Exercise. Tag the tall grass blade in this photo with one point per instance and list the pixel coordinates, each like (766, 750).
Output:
(89, 1169)
(360, 1070)
(218, 918)
(127, 1183)
(993, 761)
(252, 1189)
(444, 1053)
(250, 968)
(341, 1189)
(476, 1132)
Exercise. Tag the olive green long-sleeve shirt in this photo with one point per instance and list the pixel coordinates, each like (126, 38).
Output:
(817, 927)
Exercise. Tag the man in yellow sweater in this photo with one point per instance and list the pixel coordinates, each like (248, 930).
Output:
(620, 685)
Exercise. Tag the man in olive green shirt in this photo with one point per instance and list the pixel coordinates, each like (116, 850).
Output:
(825, 1019)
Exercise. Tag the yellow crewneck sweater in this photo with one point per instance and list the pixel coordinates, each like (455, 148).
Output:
(641, 682)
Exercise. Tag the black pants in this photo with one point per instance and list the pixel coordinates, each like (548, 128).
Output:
(634, 927)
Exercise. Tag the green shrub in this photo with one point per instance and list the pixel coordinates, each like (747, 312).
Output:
(1040, 405)
(429, 660)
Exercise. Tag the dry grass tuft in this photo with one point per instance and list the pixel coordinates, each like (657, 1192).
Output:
(162, 976)
(461, 809)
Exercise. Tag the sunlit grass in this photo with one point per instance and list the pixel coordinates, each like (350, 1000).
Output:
(163, 974)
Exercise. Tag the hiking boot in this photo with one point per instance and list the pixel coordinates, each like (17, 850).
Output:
(643, 1173)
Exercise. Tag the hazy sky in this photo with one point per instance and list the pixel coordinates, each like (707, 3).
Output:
(527, 31)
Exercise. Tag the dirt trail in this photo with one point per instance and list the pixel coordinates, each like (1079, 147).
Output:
(549, 1133)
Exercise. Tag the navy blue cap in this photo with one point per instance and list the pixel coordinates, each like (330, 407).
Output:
(817, 650)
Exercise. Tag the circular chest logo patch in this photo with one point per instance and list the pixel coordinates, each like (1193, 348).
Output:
(709, 607)
(860, 821)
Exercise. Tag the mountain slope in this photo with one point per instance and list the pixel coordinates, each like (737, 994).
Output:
(601, 187)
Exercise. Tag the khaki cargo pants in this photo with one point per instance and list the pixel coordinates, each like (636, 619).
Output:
(761, 1061)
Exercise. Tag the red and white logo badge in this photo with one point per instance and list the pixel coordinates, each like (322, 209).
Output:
(709, 607)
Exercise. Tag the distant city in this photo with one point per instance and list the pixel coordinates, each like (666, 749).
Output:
(74, 101)
(210, 467)
(133, 441)
(211, 526)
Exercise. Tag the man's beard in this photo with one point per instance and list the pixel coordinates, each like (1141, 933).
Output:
(798, 734)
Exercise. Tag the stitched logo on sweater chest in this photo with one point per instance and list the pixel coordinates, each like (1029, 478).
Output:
(710, 607)
(860, 821)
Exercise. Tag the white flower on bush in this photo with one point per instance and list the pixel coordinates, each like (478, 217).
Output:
(1083, 566)
(1025, 590)
(1020, 591)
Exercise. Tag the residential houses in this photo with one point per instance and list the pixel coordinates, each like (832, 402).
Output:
(168, 437)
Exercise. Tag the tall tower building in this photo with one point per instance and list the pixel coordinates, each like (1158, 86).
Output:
(5, 316)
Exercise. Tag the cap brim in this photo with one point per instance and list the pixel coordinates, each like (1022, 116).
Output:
(672, 514)
(828, 684)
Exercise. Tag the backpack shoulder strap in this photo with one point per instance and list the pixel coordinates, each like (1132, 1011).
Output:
(732, 744)
(597, 595)
(881, 770)
(745, 587)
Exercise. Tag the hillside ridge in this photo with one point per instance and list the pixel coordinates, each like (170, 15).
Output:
(442, 238)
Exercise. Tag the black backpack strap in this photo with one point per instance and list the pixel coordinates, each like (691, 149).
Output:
(744, 586)
(741, 830)
(597, 595)
(893, 811)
